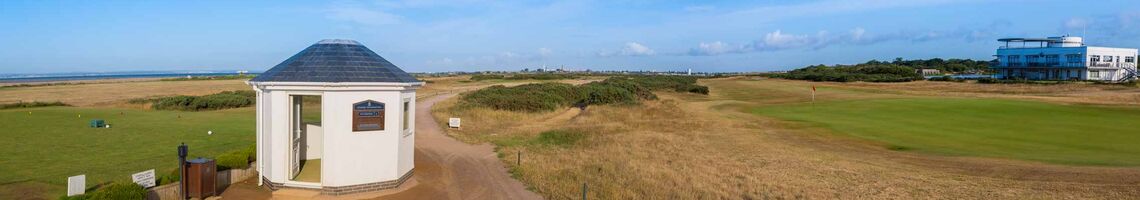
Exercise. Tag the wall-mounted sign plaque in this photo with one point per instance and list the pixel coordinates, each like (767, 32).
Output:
(367, 116)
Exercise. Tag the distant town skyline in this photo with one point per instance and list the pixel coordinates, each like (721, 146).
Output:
(476, 35)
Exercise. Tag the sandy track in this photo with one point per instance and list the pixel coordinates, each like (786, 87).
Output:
(449, 169)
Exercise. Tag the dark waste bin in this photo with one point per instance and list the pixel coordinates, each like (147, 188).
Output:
(201, 177)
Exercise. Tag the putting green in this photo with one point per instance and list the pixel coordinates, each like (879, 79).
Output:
(1028, 130)
(49, 144)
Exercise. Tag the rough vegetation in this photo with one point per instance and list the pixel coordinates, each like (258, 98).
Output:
(550, 96)
(218, 101)
(31, 104)
(878, 71)
(861, 72)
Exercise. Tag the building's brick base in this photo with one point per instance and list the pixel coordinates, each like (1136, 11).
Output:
(342, 190)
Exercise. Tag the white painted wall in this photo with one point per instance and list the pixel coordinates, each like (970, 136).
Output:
(407, 135)
(359, 157)
(348, 158)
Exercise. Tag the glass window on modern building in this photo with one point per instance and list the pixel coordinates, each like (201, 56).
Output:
(1073, 58)
(1052, 60)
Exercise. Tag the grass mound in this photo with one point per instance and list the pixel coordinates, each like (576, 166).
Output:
(551, 96)
(222, 100)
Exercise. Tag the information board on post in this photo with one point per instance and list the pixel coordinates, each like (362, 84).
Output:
(453, 122)
(144, 178)
(368, 116)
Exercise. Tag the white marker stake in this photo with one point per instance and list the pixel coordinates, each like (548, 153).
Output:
(76, 185)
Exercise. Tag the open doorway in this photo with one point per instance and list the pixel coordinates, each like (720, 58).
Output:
(308, 138)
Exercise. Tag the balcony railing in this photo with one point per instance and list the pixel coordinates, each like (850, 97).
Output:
(1080, 64)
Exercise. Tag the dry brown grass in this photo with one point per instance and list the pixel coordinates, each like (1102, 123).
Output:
(701, 147)
(104, 93)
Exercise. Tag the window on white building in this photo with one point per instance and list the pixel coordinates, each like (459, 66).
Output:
(1108, 59)
(1129, 59)
(1094, 74)
(1094, 58)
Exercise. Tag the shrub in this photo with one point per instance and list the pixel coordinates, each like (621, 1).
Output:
(169, 178)
(232, 160)
(238, 159)
(529, 97)
(552, 96)
(699, 89)
(31, 104)
(597, 94)
(559, 137)
(222, 100)
(873, 72)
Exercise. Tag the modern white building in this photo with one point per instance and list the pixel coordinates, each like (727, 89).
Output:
(1063, 58)
(335, 117)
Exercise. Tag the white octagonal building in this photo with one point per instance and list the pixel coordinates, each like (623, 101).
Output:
(335, 117)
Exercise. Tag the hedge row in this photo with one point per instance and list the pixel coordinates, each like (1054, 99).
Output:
(239, 159)
(869, 73)
(551, 96)
(222, 100)
(31, 104)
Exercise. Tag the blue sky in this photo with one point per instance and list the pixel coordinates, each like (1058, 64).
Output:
(469, 35)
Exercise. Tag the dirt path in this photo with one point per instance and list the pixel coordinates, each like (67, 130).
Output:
(449, 169)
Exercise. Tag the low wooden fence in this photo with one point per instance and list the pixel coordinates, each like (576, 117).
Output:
(224, 180)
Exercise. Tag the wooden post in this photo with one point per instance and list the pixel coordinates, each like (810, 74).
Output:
(584, 189)
(518, 159)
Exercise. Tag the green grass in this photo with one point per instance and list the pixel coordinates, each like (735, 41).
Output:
(1027, 130)
(49, 144)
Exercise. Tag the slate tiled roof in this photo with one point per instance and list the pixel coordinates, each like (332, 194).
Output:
(336, 60)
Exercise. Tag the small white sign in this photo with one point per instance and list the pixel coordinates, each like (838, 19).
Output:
(144, 178)
(76, 185)
(453, 122)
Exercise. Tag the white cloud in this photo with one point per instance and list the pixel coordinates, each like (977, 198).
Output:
(1104, 29)
(780, 40)
(1076, 23)
(544, 52)
(717, 48)
(630, 49)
